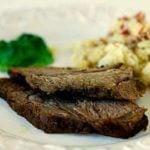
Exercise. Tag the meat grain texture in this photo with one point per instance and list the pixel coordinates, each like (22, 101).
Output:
(115, 83)
(53, 114)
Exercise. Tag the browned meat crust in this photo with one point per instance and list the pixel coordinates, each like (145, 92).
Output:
(115, 83)
(53, 115)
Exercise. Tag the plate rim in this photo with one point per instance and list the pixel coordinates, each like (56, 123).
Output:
(8, 140)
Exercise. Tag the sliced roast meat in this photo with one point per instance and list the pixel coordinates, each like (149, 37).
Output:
(53, 114)
(114, 83)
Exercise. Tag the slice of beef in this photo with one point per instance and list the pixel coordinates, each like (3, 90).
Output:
(48, 71)
(121, 119)
(114, 83)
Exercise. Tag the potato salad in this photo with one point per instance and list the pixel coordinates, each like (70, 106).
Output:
(127, 42)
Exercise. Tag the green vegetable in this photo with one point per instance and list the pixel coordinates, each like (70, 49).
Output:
(27, 50)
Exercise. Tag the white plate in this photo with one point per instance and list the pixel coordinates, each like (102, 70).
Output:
(62, 23)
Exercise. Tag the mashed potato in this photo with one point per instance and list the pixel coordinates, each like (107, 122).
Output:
(128, 42)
